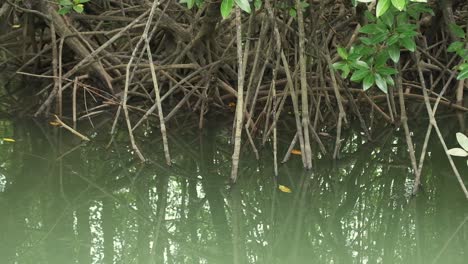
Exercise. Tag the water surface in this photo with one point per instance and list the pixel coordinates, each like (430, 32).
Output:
(64, 201)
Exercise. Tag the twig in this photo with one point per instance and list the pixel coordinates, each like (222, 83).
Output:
(73, 131)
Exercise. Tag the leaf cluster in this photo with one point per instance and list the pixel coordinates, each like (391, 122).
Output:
(387, 33)
(460, 152)
(67, 6)
(459, 48)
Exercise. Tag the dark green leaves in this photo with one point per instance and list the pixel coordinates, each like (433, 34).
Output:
(456, 46)
(360, 74)
(394, 53)
(457, 30)
(408, 43)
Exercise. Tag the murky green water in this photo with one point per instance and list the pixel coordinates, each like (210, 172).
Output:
(62, 202)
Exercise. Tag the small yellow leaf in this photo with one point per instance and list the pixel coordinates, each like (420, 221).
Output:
(54, 123)
(232, 104)
(9, 140)
(284, 189)
(296, 152)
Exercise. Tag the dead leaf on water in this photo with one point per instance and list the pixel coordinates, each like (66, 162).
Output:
(54, 123)
(296, 152)
(284, 189)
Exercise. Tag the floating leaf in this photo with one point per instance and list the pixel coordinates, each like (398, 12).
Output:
(284, 189)
(54, 123)
(8, 140)
(457, 152)
(296, 152)
(462, 140)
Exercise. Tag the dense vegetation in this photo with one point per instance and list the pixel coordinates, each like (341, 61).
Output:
(316, 59)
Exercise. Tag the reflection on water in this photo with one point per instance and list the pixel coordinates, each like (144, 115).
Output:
(65, 202)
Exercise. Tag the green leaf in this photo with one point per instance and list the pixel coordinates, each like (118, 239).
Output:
(394, 52)
(244, 5)
(292, 12)
(455, 46)
(83, 1)
(408, 43)
(78, 8)
(458, 152)
(389, 80)
(381, 83)
(368, 82)
(257, 4)
(65, 3)
(382, 7)
(366, 41)
(359, 75)
(361, 65)
(463, 75)
(343, 53)
(369, 16)
(387, 18)
(399, 4)
(386, 71)
(462, 140)
(190, 3)
(63, 11)
(344, 67)
(378, 38)
(393, 39)
(226, 8)
(381, 58)
(371, 29)
(463, 67)
(457, 30)
(407, 30)
(346, 70)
